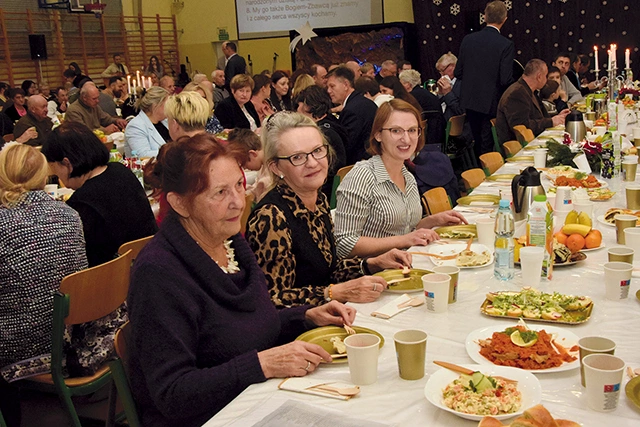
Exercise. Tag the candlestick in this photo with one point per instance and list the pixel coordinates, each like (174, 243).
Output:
(128, 83)
(134, 88)
(138, 76)
(608, 59)
(627, 52)
(595, 56)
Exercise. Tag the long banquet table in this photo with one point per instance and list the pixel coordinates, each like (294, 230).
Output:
(399, 402)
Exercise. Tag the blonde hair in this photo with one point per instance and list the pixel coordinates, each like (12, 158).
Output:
(154, 97)
(22, 169)
(188, 109)
(193, 87)
(302, 82)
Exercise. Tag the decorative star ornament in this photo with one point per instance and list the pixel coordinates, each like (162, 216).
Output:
(306, 33)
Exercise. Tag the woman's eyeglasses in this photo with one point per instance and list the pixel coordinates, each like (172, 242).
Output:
(300, 159)
(398, 132)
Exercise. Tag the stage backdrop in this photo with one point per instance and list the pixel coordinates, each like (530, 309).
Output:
(539, 28)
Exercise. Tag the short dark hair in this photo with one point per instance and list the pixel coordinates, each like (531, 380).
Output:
(26, 85)
(314, 69)
(69, 74)
(260, 81)
(553, 69)
(495, 12)
(116, 54)
(277, 76)
(562, 55)
(232, 46)
(244, 140)
(584, 59)
(77, 143)
(403, 63)
(4, 86)
(114, 79)
(343, 72)
(16, 91)
(549, 88)
(366, 84)
(316, 99)
(58, 89)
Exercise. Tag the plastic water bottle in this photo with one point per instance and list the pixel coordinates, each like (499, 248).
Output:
(136, 167)
(504, 229)
(540, 231)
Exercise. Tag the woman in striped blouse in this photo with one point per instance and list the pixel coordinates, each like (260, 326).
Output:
(378, 201)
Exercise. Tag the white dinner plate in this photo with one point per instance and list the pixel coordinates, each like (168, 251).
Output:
(455, 248)
(602, 245)
(601, 220)
(528, 385)
(564, 337)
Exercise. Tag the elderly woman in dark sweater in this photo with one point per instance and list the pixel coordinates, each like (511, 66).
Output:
(291, 231)
(203, 326)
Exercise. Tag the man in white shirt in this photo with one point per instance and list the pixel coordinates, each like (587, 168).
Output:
(58, 105)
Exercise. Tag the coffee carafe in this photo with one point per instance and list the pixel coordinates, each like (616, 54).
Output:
(574, 126)
(524, 188)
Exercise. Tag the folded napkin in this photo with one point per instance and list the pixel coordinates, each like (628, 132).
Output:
(389, 310)
(309, 386)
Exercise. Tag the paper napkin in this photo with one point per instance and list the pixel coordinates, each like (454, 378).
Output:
(389, 310)
(308, 386)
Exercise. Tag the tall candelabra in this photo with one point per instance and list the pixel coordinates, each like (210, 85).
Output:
(628, 83)
(612, 90)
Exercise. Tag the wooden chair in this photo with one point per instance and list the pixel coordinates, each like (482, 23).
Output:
(436, 200)
(491, 162)
(524, 135)
(472, 178)
(454, 129)
(135, 246)
(248, 207)
(511, 148)
(120, 371)
(494, 134)
(8, 137)
(342, 172)
(84, 296)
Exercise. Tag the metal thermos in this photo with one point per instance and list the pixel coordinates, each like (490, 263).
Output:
(574, 126)
(524, 188)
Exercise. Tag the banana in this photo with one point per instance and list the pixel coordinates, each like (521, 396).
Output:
(580, 229)
(572, 218)
(584, 219)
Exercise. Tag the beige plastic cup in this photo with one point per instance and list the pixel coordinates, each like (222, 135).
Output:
(633, 196)
(617, 280)
(624, 221)
(486, 232)
(620, 254)
(603, 375)
(454, 273)
(594, 345)
(629, 171)
(362, 353)
(531, 258)
(632, 238)
(411, 349)
(436, 291)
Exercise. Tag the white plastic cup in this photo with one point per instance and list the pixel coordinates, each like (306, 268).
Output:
(563, 199)
(454, 273)
(591, 345)
(531, 258)
(436, 291)
(617, 280)
(540, 158)
(585, 206)
(582, 162)
(632, 238)
(362, 353)
(486, 232)
(636, 132)
(603, 376)
(52, 190)
(599, 130)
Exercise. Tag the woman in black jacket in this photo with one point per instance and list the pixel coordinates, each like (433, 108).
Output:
(236, 111)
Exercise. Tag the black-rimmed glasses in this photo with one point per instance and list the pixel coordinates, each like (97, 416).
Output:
(300, 159)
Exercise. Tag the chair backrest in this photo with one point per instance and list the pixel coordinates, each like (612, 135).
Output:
(472, 178)
(455, 125)
(511, 148)
(523, 134)
(248, 207)
(342, 172)
(436, 200)
(491, 162)
(121, 343)
(120, 372)
(135, 246)
(494, 134)
(97, 291)
(8, 137)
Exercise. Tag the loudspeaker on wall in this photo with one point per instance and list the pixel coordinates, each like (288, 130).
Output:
(37, 46)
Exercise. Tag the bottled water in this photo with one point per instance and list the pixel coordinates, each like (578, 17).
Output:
(504, 229)
(136, 167)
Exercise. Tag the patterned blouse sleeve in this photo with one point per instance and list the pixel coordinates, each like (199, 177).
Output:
(346, 269)
(270, 240)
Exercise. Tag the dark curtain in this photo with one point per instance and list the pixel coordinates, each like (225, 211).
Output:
(539, 29)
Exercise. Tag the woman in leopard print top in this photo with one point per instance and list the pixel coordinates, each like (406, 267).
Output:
(291, 231)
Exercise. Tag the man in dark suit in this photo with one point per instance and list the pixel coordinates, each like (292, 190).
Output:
(519, 104)
(235, 63)
(357, 113)
(485, 66)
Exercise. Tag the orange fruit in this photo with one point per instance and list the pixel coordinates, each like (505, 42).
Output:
(561, 237)
(575, 242)
(593, 239)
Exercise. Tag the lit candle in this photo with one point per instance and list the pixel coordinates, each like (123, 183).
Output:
(609, 60)
(151, 84)
(614, 62)
(134, 88)
(595, 56)
(138, 76)
(627, 52)
(128, 83)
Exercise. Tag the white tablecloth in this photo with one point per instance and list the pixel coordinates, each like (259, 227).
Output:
(399, 402)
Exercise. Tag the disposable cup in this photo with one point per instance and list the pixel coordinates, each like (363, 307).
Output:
(629, 171)
(52, 190)
(603, 375)
(590, 115)
(563, 199)
(624, 221)
(454, 273)
(585, 206)
(633, 196)
(620, 254)
(594, 345)
(411, 349)
(599, 130)
(617, 280)
(362, 353)
(582, 162)
(436, 291)
(531, 264)
(540, 158)
(486, 231)
(632, 238)
(636, 132)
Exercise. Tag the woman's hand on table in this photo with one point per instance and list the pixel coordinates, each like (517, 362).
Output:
(450, 217)
(394, 258)
(295, 359)
(420, 237)
(333, 313)
(362, 289)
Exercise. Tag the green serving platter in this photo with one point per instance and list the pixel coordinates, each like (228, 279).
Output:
(501, 177)
(322, 336)
(633, 390)
(414, 284)
(479, 200)
(520, 159)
